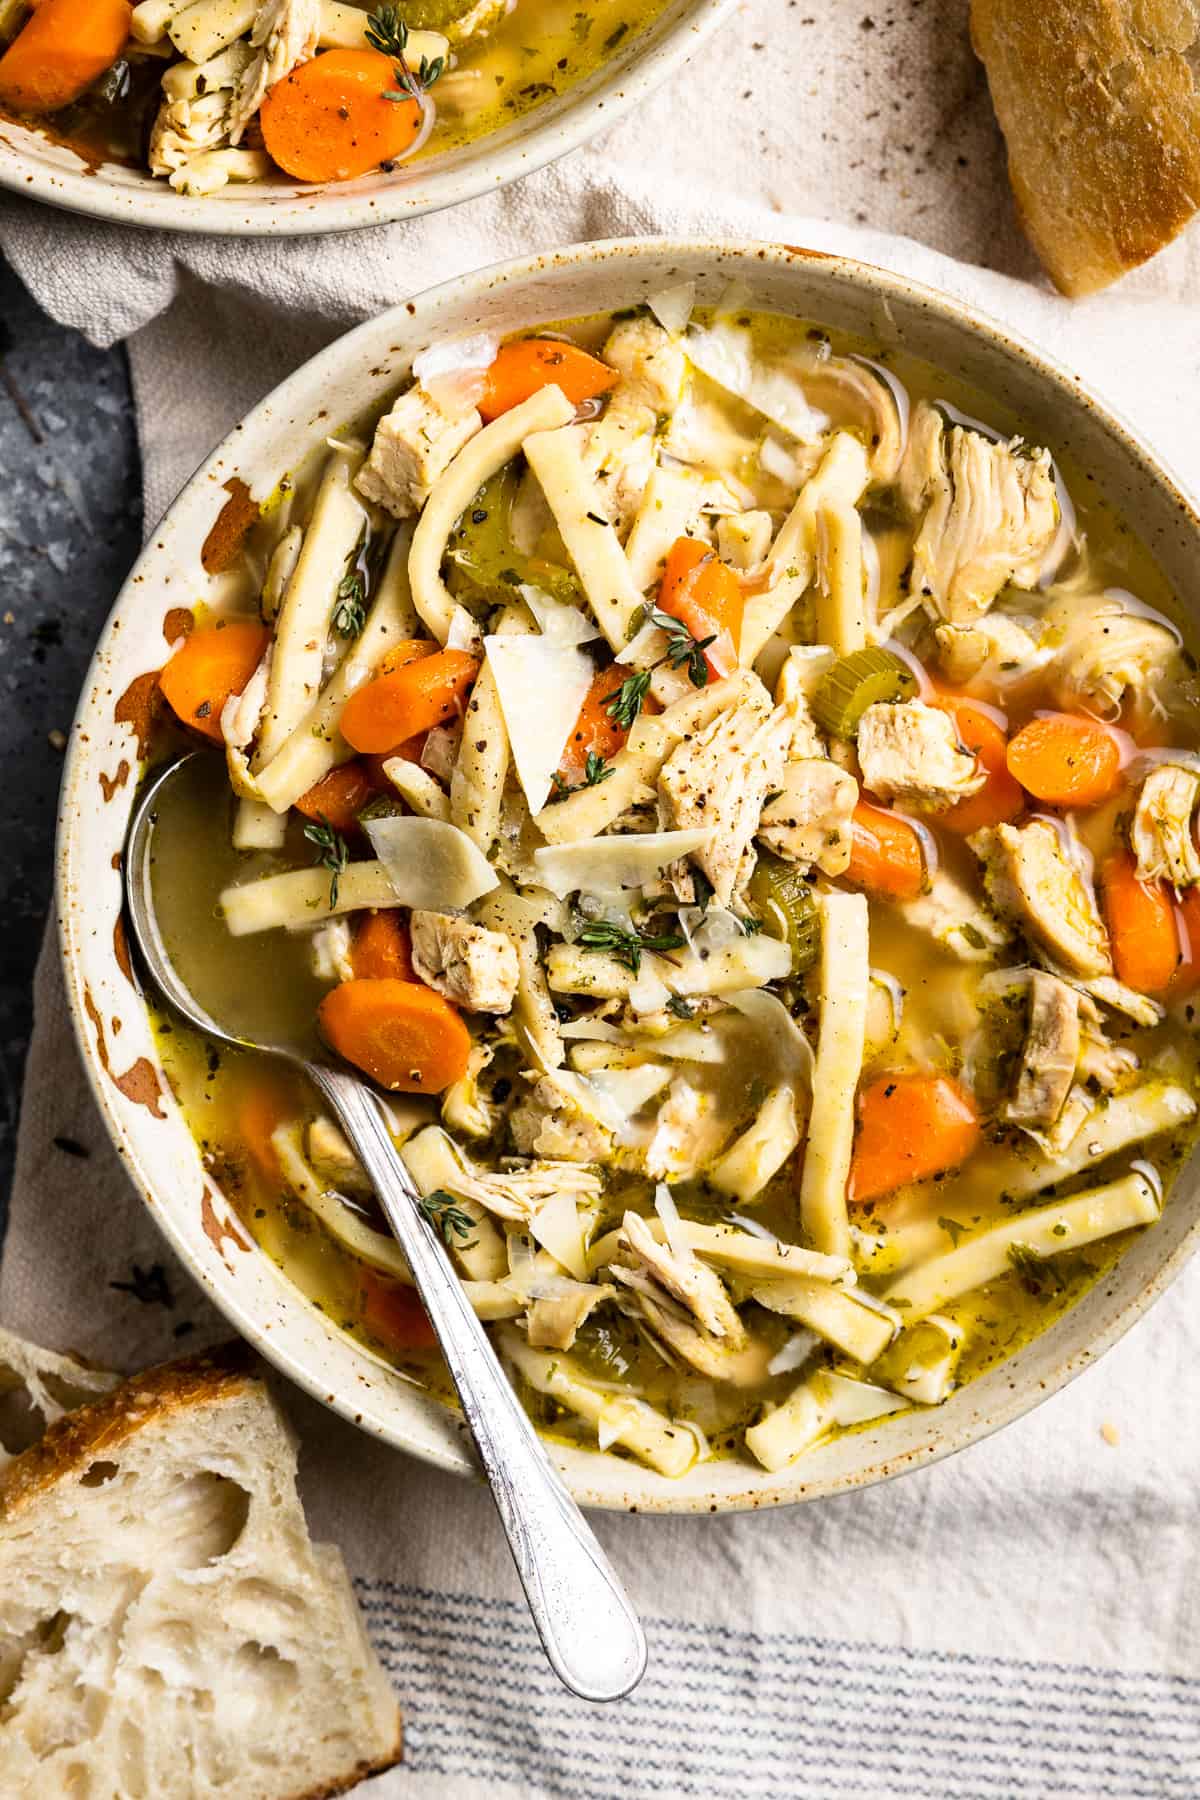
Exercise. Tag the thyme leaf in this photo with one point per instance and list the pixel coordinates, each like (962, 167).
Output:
(627, 945)
(447, 1217)
(350, 613)
(334, 854)
(387, 33)
(625, 703)
(683, 651)
(595, 770)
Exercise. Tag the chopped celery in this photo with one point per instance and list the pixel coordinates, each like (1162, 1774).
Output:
(789, 908)
(855, 682)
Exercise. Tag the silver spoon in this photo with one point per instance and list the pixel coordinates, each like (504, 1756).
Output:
(588, 1628)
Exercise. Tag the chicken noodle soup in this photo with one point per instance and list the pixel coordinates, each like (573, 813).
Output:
(741, 812)
(208, 92)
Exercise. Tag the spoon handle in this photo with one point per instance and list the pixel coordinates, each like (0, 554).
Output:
(588, 1628)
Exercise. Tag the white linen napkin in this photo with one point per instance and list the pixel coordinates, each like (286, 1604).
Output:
(1021, 1620)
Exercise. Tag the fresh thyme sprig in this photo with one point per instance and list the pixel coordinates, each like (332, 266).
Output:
(350, 613)
(627, 945)
(334, 854)
(595, 770)
(684, 651)
(447, 1217)
(625, 703)
(387, 33)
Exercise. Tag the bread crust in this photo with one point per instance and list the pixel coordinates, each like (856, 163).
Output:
(83, 1436)
(1101, 112)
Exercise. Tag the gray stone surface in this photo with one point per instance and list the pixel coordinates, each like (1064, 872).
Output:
(70, 523)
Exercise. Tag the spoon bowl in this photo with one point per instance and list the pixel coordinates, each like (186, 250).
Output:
(588, 1628)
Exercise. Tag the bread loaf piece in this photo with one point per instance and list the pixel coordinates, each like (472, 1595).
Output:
(1099, 101)
(168, 1630)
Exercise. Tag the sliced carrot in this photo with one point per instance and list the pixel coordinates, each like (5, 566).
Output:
(1141, 924)
(412, 699)
(63, 48)
(909, 1128)
(331, 120)
(1187, 918)
(208, 667)
(264, 1105)
(704, 594)
(1065, 760)
(596, 732)
(1001, 797)
(885, 855)
(403, 652)
(382, 950)
(406, 1037)
(340, 796)
(394, 1314)
(522, 368)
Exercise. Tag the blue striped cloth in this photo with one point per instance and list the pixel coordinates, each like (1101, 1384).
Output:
(724, 1713)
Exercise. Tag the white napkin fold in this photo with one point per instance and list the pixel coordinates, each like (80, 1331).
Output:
(1022, 1620)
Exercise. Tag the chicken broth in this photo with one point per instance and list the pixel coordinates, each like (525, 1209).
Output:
(740, 810)
(208, 93)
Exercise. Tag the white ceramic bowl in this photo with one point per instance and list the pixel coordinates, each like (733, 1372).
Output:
(99, 786)
(34, 165)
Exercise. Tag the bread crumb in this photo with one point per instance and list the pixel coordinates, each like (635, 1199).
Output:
(1109, 1433)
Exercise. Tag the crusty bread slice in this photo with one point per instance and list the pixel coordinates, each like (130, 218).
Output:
(167, 1628)
(1100, 104)
(37, 1387)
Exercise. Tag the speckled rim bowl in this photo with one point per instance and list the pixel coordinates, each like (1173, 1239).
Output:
(100, 778)
(34, 165)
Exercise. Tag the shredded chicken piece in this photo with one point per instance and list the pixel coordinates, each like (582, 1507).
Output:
(470, 965)
(1110, 659)
(673, 1328)
(193, 119)
(691, 1282)
(720, 779)
(559, 1119)
(910, 752)
(333, 1158)
(957, 919)
(465, 1107)
(809, 821)
(413, 445)
(650, 361)
(989, 514)
(792, 692)
(1030, 880)
(997, 644)
(285, 34)
(553, 1320)
(621, 453)
(1049, 1055)
(330, 951)
(518, 1193)
(1108, 1066)
(1161, 837)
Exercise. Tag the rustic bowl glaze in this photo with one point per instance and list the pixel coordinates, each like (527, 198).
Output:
(108, 738)
(33, 164)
